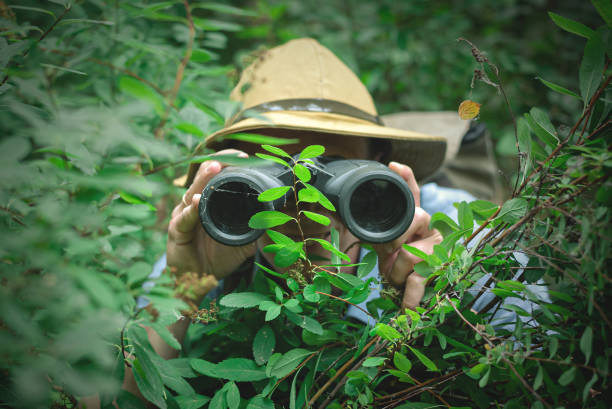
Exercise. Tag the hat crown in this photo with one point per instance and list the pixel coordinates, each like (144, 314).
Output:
(301, 69)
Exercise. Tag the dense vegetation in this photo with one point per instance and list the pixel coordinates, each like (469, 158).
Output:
(101, 104)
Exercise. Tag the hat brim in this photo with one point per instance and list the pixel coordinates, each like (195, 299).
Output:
(422, 152)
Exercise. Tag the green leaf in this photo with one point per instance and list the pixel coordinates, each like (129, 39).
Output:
(261, 139)
(189, 128)
(312, 151)
(465, 217)
(511, 285)
(218, 401)
(319, 218)
(276, 150)
(273, 193)
(483, 209)
(604, 8)
(260, 402)
(302, 172)
(591, 67)
(272, 159)
(401, 362)
(540, 124)
(232, 395)
(443, 223)
(310, 293)
(327, 246)
(288, 254)
(288, 362)
(539, 378)
(571, 26)
(513, 210)
(558, 88)
(587, 387)
(243, 300)
(165, 334)
(567, 377)
(553, 346)
(586, 343)
(240, 370)
(374, 361)
(141, 91)
(368, 263)
(279, 238)
(424, 360)
(485, 379)
(148, 378)
(190, 402)
(273, 312)
(309, 194)
(263, 344)
(268, 218)
(386, 332)
(417, 252)
(306, 322)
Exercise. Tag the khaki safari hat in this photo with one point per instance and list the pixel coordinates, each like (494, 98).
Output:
(303, 86)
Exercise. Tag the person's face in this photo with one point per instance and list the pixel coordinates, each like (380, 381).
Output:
(348, 147)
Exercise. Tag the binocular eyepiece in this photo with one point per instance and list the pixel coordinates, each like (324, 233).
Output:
(373, 202)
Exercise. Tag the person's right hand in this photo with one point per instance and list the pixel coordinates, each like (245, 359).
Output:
(189, 248)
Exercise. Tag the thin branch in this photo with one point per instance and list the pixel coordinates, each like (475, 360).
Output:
(13, 214)
(42, 37)
(346, 301)
(159, 131)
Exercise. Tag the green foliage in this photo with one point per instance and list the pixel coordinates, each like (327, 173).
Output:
(101, 106)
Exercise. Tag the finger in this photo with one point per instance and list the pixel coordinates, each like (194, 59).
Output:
(413, 291)
(401, 264)
(418, 229)
(407, 174)
(207, 170)
(183, 225)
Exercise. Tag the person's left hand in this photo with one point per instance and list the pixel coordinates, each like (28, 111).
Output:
(395, 263)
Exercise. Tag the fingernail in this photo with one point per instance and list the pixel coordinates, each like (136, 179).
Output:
(243, 155)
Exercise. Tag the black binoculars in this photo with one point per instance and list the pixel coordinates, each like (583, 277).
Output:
(373, 202)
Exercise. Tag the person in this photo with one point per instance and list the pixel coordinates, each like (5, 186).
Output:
(300, 90)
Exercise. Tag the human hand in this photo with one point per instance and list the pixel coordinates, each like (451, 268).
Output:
(395, 263)
(189, 248)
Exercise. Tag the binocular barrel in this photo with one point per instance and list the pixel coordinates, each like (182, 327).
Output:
(373, 202)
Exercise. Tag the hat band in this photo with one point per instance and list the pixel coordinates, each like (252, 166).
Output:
(306, 105)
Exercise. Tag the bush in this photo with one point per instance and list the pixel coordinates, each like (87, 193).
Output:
(102, 106)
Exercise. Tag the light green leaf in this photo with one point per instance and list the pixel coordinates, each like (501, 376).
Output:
(261, 139)
(289, 361)
(401, 362)
(279, 238)
(327, 246)
(273, 312)
(268, 218)
(263, 344)
(319, 218)
(276, 150)
(312, 151)
(571, 26)
(465, 217)
(260, 402)
(232, 395)
(302, 172)
(309, 194)
(386, 332)
(310, 293)
(374, 361)
(272, 159)
(567, 377)
(424, 360)
(240, 370)
(417, 252)
(591, 67)
(189, 128)
(288, 254)
(483, 208)
(586, 343)
(368, 263)
(513, 210)
(142, 91)
(443, 223)
(558, 88)
(243, 300)
(485, 379)
(273, 193)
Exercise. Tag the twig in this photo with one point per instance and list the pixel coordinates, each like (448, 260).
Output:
(552, 361)
(42, 37)
(159, 131)
(346, 301)
(14, 215)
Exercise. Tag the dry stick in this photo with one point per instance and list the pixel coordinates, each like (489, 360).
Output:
(339, 372)
(346, 301)
(483, 336)
(42, 37)
(159, 131)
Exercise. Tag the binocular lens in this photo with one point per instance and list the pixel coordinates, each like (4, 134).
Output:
(231, 206)
(378, 205)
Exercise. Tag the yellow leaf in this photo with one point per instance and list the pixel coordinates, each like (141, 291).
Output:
(469, 109)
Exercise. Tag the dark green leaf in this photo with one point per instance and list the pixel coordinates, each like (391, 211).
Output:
(273, 312)
(232, 395)
(306, 322)
(586, 343)
(540, 124)
(401, 362)
(513, 210)
(591, 67)
(218, 401)
(571, 26)
(369, 262)
(289, 361)
(559, 88)
(147, 378)
(243, 300)
(604, 8)
(288, 254)
(374, 361)
(424, 360)
(239, 370)
(260, 402)
(537, 382)
(567, 377)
